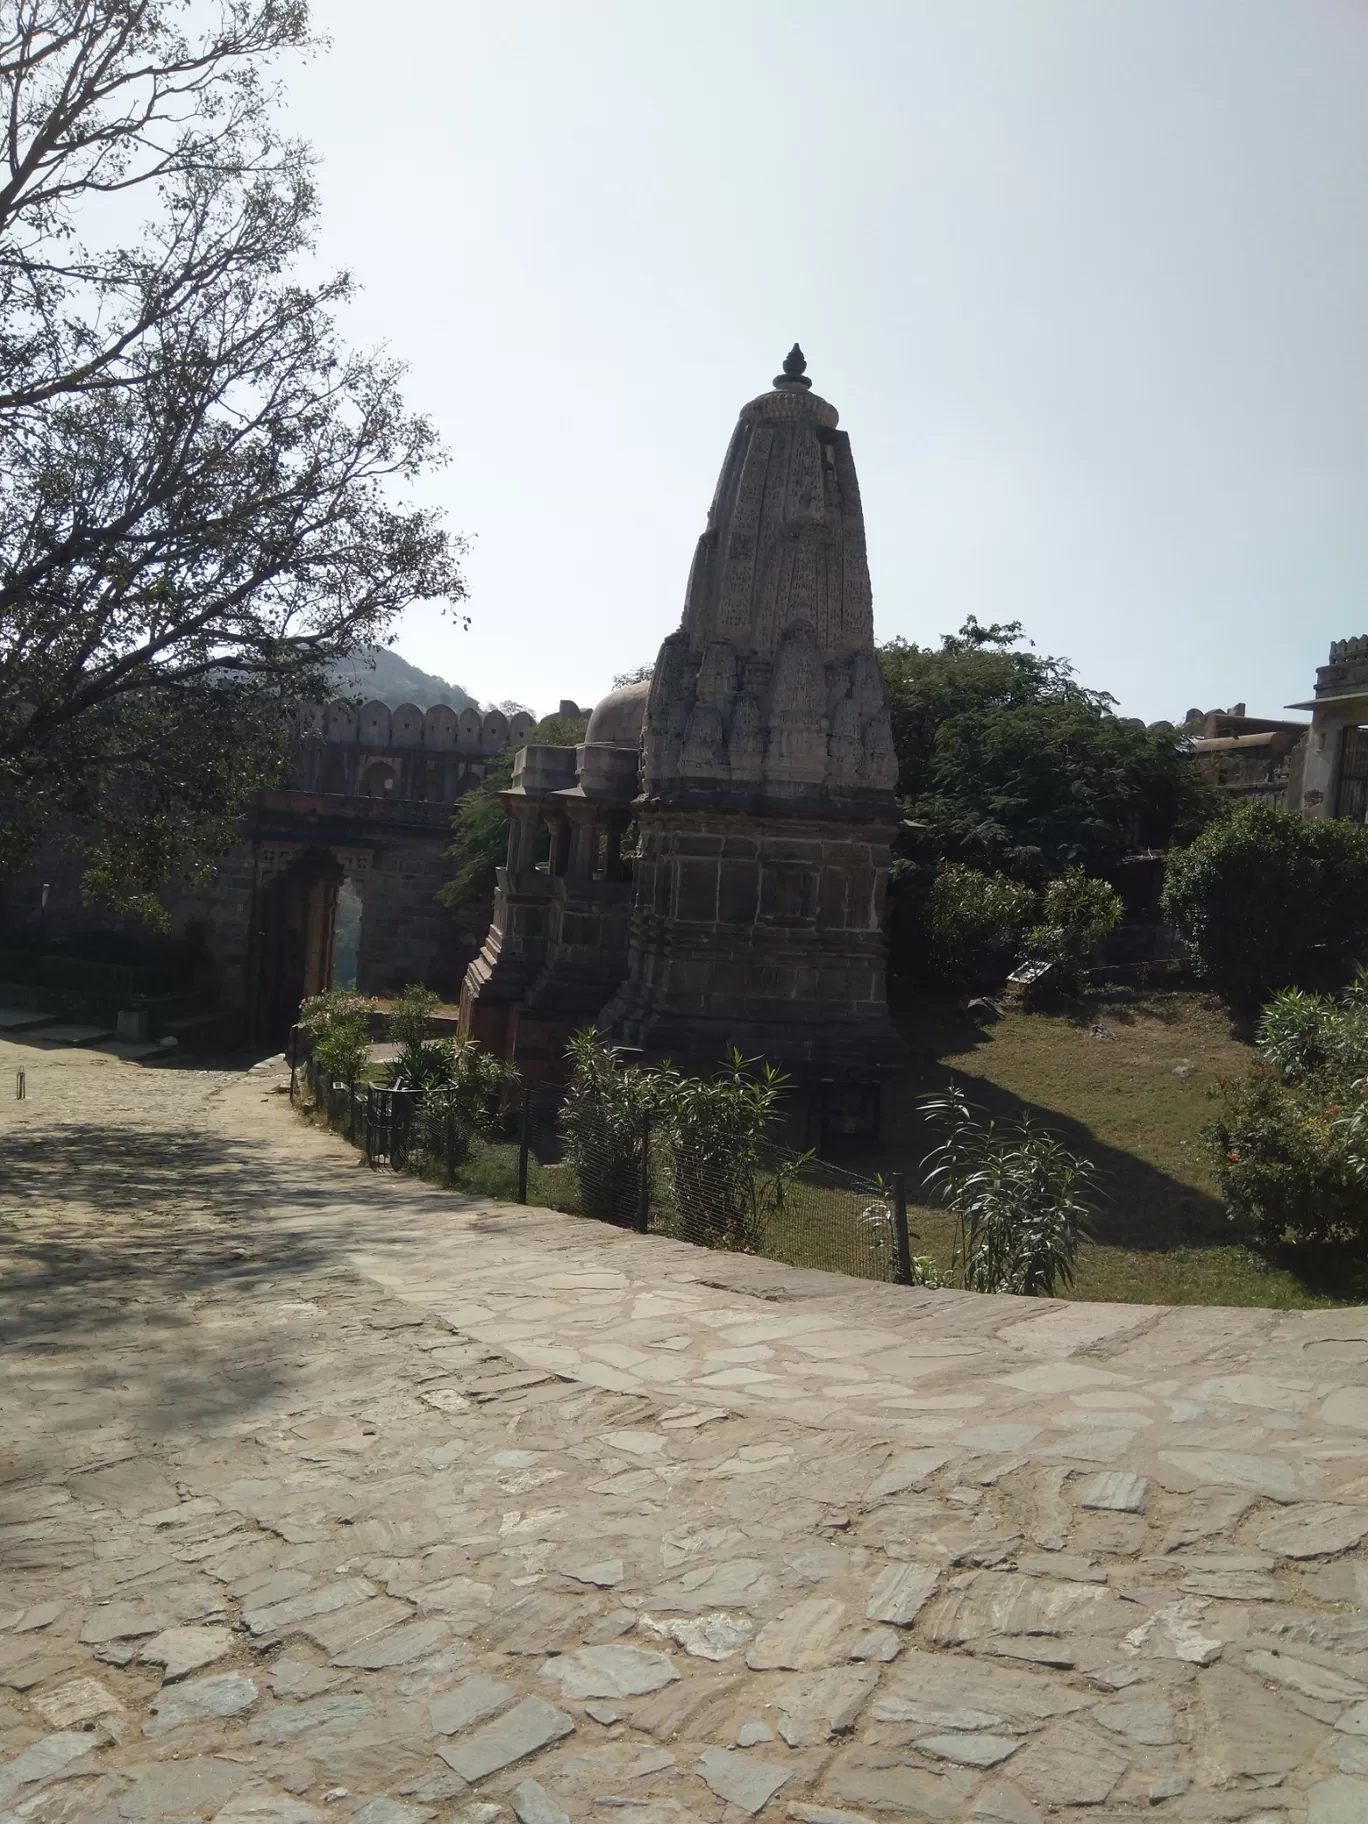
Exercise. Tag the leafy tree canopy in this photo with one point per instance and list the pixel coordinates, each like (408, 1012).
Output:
(1006, 762)
(200, 486)
(1265, 899)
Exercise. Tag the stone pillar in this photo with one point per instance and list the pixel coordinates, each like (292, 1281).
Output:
(1320, 770)
(525, 835)
(514, 951)
(562, 842)
(1340, 702)
(586, 953)
(584, 827)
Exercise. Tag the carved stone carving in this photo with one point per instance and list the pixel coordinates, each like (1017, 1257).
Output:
(777, 628)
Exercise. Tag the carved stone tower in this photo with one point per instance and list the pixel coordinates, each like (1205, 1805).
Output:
(767, 808)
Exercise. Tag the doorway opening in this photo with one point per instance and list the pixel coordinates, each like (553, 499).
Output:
(298, 916)
(346, 945)
(1352, 797)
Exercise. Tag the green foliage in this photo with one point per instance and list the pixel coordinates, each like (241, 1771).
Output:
(603, 1121)
(558, 731)
(639, 674)
(464, 1090)
(715, 1133)
(711, 1133)
(343, 1052)
(1006, 762)
(200, 485)
(410, 1018)
(479, 844)
(419, 1067)
(1315, 1038)
(1290, 1162)
(974, 922)
(321, 1013)
(1264, 899)
(1022, 1200)
(1290, 1145)
(1075, 914)
(337, 1024)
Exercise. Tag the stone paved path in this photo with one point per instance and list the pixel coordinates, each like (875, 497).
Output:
(327, 1496)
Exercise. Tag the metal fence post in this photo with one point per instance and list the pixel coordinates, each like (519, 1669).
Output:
(450, 1134)
(643, 1209)
(900, 1235)
(524, 1140)
(370, 1129)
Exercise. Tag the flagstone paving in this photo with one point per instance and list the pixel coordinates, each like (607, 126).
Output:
(324, 1495)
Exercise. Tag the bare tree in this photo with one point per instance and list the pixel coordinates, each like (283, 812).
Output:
(199, 485)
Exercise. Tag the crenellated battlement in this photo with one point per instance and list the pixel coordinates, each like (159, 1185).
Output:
(439, 730)
(1347, 670)
(368, 750)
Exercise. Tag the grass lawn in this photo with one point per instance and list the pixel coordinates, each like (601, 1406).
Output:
(1126, 1079)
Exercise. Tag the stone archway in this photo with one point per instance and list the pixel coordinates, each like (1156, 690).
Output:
(299, 909)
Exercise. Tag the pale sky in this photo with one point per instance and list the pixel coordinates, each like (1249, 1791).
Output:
(1087, 280)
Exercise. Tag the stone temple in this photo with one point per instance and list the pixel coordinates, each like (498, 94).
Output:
(756, 770)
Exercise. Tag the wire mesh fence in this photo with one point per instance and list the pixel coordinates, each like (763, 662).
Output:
(786, 1206)
(633, 1172)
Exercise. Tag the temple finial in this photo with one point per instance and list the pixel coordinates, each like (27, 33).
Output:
(795, 366)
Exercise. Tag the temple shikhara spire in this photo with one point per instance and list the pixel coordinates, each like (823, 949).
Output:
(771, 683)
(757, 765)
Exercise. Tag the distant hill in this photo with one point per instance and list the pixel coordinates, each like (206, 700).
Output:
(381, 676)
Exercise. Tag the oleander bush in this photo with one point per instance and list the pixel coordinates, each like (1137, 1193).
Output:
(1023, 1202)
(726, 1179)
(465, 1090)
(603, 1122)
(337, 1026)
(1290, 1144)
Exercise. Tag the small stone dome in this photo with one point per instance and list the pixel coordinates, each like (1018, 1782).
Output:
(617, 718)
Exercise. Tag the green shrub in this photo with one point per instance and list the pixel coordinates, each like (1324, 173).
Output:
(464, 1089)
(1075, 914)
(1316, 1039)
(603, 1121)
(1290, 1164)
(419, 1067)
(410, 1020)
(1290, 1145)
(1266, 900)
(974, 922)
(1023, 1201)
(715, 1132)
(338, 1025)
(321, 1012)
(342, 1053)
